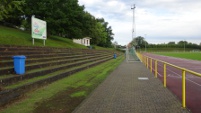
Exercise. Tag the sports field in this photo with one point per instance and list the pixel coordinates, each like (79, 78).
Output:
(186, 55)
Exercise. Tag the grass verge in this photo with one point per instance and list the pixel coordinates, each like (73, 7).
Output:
(64, 95)
(186, 55)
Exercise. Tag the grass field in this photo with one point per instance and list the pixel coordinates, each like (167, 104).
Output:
(169, 49)
(186, 55)
(65, 95)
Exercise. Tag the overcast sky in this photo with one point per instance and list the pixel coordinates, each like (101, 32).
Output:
(161, 20)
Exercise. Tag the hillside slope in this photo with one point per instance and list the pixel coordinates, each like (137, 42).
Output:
(11, 36)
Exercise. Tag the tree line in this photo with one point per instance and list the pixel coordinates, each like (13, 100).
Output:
(140, 42)
(64, 18)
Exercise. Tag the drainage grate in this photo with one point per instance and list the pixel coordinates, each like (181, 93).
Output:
(143, 78)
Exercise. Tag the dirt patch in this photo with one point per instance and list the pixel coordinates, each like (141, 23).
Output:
(62, 102)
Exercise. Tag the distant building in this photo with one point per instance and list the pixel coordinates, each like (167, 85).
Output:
(85, 41)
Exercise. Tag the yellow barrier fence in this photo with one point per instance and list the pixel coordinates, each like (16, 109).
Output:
(148, 63)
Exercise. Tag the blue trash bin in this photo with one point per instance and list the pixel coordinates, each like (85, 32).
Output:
(115, 56)
(19, 64)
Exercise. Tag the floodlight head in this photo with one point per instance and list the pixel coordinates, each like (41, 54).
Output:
(133, 7)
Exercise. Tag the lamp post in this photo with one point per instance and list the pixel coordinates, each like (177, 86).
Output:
(133, 8)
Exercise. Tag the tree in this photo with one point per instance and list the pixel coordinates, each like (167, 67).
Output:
(115, 44)
(102, 34)
(171, 43)
(138, 41)
(9, 6)
(64, 18)
(110, 35)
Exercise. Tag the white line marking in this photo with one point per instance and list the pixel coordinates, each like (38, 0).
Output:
(186, 78)
(143, 78)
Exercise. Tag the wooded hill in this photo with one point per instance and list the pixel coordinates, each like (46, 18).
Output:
(64, 18)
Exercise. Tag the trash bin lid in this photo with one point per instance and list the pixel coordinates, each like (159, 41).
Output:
(19, 56)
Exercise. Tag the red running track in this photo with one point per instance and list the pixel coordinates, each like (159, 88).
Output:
(174, 79)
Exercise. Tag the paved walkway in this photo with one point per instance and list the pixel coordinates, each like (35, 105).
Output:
(123, 92)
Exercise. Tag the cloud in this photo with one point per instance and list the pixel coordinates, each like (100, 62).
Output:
(161, 20)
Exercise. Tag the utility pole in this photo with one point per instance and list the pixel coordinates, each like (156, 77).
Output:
(133, 26)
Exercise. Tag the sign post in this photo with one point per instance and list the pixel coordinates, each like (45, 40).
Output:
(38, 29)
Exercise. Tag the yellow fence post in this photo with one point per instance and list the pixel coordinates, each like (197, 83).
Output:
(164, 74)
(141, 58)
(183, 88)
(147, 62)
(156, 69)
(151, 64)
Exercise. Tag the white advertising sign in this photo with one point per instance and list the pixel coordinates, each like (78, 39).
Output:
(39, 28)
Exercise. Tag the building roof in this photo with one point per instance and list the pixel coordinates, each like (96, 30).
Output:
(87, 37)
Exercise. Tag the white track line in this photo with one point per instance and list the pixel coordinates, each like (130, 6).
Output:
(181, 76)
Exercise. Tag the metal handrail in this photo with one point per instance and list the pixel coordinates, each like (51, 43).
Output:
(145, 60)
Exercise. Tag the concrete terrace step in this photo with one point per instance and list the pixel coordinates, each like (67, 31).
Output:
(11, 49)
(9, 57)
(11, 94)
(25, 51)
(80, 64)
(9, 53)
(11, 79)
(45, 49)
(38, 64)
(6, 63)
(32, 48)
(44, 65)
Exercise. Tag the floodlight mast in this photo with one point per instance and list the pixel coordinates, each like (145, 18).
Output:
(133, 26)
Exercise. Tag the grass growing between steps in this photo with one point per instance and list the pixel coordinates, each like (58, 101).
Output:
(21, 83)
(64, 95)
